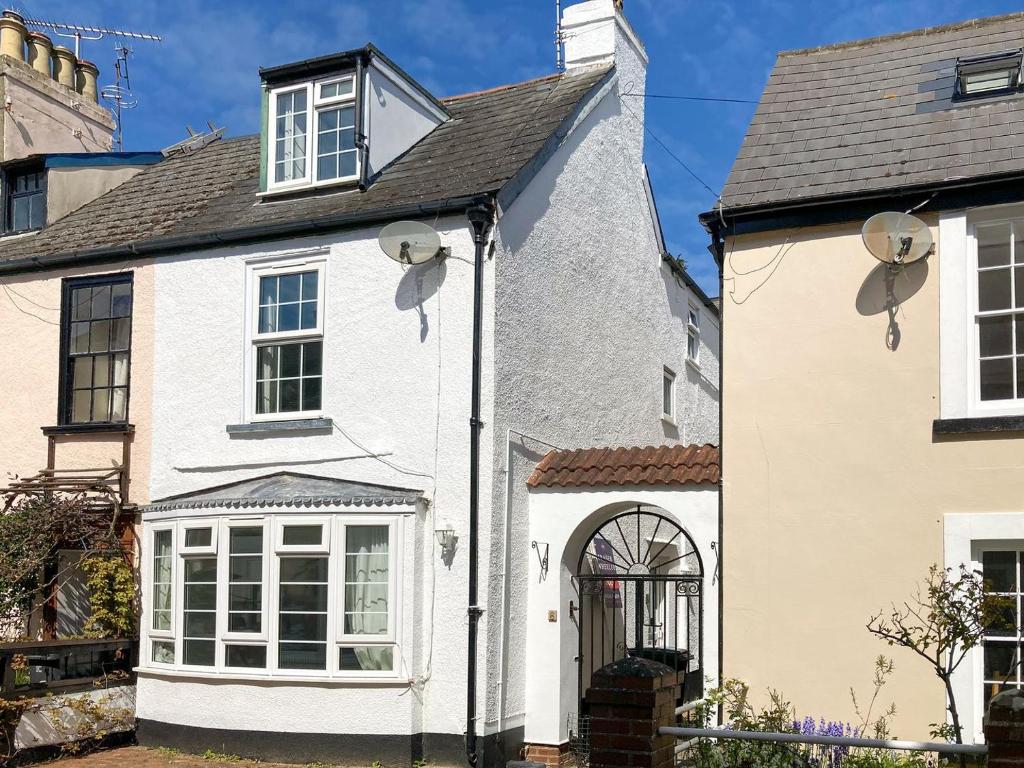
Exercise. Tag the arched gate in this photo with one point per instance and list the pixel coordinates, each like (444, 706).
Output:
(640, 580)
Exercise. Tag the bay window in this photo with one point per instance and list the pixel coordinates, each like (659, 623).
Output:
(286, 341)
(281, 594)
(312, 134)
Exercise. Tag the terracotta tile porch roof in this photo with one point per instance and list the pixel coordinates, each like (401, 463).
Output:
(652, 465)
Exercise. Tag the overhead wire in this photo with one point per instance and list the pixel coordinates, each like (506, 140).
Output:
(667, 149)
(673, 97)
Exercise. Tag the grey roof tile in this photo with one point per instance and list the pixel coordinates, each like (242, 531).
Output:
(876, 114)
(492, 135)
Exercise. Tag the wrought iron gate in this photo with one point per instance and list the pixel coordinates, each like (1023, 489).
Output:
(640, 580)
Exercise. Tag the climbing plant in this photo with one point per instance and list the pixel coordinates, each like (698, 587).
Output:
(33, 530)
(112, 596)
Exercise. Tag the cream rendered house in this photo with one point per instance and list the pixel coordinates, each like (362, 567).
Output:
(76, 405)
(873, 421)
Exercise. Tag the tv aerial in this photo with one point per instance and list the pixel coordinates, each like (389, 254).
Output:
(896, 239)
(80, 32)
(119, 94)
(411, 242)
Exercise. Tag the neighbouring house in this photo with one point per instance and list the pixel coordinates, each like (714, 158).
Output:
(361, 469)
(872, 415)
(76, 405)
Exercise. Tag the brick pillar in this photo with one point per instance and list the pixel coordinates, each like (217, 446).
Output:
(1004, 730)
(629, 700)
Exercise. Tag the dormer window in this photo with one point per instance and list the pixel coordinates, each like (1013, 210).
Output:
(313, 132)
(989, 75)
(25, 193)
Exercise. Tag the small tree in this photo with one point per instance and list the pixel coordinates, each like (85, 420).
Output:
(942, 623)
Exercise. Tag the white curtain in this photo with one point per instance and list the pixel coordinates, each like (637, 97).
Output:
(366, 592)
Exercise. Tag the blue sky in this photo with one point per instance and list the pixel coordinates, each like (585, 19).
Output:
(207, 67)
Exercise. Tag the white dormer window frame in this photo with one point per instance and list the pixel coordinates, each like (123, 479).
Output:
(328, 119)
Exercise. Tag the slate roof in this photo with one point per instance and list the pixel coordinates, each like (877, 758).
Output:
(491, 136)
(877, 115)
(653, 465)
(289, 489)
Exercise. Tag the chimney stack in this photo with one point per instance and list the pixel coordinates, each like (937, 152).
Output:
(40, 48)
(595, 32)
(12, 35)
(64, 66)
(86, 74)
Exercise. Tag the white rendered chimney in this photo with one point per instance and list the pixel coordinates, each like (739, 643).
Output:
(595, 32)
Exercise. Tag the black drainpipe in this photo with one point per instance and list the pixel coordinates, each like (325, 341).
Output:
(718, 251)
(481, 216)
(362, 93)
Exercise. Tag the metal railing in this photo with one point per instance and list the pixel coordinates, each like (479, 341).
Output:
(836, 746)
(36, 668)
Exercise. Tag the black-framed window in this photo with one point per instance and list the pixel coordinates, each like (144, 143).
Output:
(96, 332)
(25, 199)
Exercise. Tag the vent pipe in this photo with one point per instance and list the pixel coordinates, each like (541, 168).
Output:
(86, 74)
(64, 66)
(40, 48)
(12, 35)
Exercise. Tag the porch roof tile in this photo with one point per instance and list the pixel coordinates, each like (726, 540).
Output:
(649, 465)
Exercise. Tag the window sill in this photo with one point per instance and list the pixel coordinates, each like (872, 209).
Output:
(977, 425)
(294, 425)
(89, 429)
(308, 189)
(693, 364)
(669, 420)
(249, 677)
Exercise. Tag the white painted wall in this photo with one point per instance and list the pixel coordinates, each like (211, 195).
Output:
(397, 383)
(396, 116)
(580, 316)
(564, 519)
(588, 315)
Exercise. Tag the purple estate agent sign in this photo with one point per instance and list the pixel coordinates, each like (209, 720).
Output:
(603, 565)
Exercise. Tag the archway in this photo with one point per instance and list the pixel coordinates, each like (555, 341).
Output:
(640, 585)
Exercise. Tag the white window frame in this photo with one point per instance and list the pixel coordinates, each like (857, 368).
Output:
(160, 635)
(253, 339)
(668, 375)
(208, 549)
(269, 637)
(314, 103)
(342, 533)
(272, 139)
(223, 585)
(323, 548)
(199, 553)
(965, 536)
(693, 333)
(977, 406)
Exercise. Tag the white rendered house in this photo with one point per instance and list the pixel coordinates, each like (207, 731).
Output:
(319, 420)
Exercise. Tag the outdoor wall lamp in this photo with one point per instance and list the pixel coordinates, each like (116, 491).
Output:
(448, 541)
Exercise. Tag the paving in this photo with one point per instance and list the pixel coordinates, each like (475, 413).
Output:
(140, 757)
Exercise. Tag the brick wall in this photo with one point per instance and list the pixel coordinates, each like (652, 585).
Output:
(1004, 730)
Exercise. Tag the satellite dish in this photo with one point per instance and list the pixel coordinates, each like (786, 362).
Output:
(896, 238)
(410, 242)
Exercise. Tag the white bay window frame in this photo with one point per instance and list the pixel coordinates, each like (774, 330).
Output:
(315, 103)
(161, 635)
(331, 547)
(254, 339)
(224, 585)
